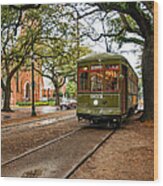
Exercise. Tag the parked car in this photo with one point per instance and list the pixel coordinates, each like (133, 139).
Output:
(73, 103)
(68, 104)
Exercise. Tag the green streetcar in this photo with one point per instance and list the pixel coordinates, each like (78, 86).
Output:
(107, 88)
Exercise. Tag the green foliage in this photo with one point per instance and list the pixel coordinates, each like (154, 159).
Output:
(60, 94)
(71, 89)
(39, 103)
(24, 103)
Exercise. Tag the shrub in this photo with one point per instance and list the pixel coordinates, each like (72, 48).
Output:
(38, 103)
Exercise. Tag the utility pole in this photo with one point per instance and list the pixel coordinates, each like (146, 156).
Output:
(77, 34)
(105, 38)
(48, 94)
(33, 85)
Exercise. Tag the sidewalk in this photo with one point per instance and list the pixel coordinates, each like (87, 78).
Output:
(23, 114)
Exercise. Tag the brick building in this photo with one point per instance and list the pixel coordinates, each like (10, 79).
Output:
(21, 84)
(22, 89)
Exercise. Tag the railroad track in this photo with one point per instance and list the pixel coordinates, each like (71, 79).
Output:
(39, 147)
(71, 170)
(87, 156)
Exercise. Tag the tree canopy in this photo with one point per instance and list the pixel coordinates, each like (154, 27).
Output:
(56, 33)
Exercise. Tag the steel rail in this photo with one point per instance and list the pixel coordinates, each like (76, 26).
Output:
(39, 147)
(87, 156)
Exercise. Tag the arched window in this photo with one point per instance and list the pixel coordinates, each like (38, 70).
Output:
(27, 91)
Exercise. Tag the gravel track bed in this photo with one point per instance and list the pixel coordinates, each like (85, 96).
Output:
(19, 141)
(56, 159)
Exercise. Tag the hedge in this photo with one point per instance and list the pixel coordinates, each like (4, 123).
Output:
(39, 103)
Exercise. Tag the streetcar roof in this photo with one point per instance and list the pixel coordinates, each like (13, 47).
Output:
(100, 57)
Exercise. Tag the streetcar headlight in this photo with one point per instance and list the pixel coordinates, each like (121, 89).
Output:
(95, 102)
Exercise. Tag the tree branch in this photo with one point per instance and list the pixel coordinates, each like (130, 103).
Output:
(63, 82)
(104, 35)
(79, 16)
(42, 74)
(132, 40)
(25, 7)
(127, 25)
(129, 8)
(149, 6)
(3, 85)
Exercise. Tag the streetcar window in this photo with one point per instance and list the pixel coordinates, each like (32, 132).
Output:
(83, 78)
(111, 80)
(96, 81)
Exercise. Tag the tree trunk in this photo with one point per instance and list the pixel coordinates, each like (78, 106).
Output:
(57, 101)
(148, 78)
(7, 91)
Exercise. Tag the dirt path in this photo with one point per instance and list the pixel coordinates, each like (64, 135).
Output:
(128, 155)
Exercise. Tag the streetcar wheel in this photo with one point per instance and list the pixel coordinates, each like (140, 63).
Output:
(63, 107)
(94, 121)
(115, 125)
(108, 125)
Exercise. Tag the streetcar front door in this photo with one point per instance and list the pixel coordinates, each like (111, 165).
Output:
(124, 90)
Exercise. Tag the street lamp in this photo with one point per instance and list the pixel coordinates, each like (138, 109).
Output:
(48, 94)
(33, 88)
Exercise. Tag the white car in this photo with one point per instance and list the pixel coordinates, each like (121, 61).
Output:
(68, 104)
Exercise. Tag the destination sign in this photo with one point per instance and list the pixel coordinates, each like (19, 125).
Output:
(96, 96)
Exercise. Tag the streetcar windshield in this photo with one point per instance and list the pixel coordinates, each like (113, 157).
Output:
(96, 77)
(99, 77)
(111, 78)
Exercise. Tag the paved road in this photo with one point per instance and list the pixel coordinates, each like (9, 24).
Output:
(22, 112)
